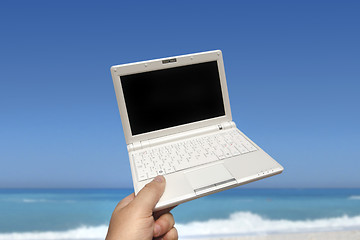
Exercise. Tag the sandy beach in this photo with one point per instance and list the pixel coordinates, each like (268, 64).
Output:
(338, 235)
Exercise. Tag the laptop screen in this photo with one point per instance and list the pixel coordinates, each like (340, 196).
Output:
(171, 97)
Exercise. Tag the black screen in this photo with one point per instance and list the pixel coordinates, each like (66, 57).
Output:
(171, 97)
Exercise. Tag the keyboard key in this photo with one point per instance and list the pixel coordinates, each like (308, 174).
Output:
(234, 151)
(152, 174)
(203, 160)
(227, 152)
(220, 154)
(241, 148)
(142, 177)
(213, 158)
(178, 166)
(249, 146)
(160, 172)
(140, 167)
(169, 170)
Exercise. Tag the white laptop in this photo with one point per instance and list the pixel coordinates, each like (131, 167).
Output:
(177, 122)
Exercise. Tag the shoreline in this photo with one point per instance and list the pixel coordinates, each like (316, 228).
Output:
(353, 234)
(326, 235)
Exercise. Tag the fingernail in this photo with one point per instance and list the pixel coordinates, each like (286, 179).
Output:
(156, 230)
(159, 179)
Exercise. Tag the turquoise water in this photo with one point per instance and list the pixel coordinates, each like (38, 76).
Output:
(86, 212)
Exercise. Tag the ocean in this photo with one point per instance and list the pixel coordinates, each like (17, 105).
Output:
(85, 213)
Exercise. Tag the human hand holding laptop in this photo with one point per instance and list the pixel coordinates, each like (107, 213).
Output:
(177, 122)
(133, 218)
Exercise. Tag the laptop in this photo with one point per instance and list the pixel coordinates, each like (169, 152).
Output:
(177, 122)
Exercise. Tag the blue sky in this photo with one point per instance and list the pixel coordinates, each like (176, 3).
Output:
(293, 72)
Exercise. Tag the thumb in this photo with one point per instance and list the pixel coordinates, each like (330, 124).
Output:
(149, 196)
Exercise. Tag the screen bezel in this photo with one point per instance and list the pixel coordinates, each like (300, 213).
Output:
(157, 64)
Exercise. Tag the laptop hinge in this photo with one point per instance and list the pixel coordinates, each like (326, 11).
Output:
(134, 146)
(226, 125)
(153, 142)
(138, 145)
(130, 147)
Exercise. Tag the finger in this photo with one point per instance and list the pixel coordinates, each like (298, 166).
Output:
(148, 197)
(163, 224)
(123, 203)
(171, 235)
(161, 212)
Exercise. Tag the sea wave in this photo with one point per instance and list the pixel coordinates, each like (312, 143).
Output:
(239, 223)
(355, 197)
(247, 223)
(36, 200)
(85, 232)
(42, 200)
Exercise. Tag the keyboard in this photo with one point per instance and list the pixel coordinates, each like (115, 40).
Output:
(181, 155)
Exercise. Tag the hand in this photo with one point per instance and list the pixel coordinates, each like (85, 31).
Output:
(134, 219)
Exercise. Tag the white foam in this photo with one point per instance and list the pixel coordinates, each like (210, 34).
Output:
(239, 223)
(242, 223)
(355, 197)
(84, 232)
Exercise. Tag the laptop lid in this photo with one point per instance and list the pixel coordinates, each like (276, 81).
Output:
(171, 95)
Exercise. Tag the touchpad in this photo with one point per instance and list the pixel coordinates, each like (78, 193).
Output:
(209, 177)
